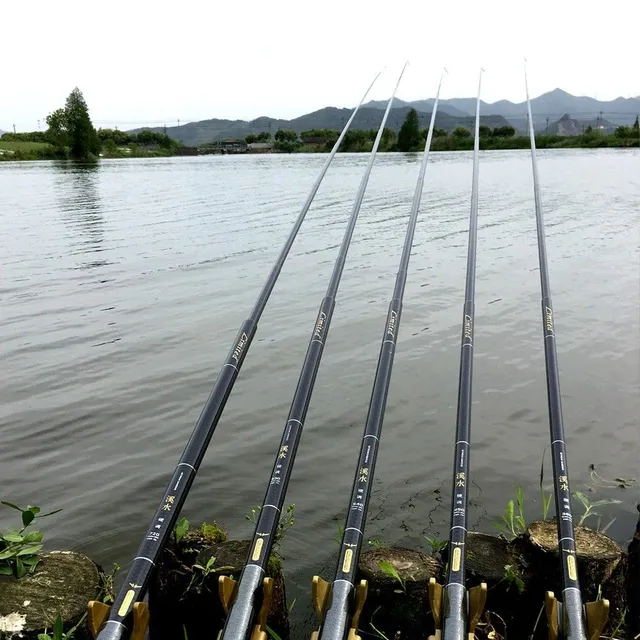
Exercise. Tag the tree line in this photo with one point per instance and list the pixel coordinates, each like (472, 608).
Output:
(71, 133)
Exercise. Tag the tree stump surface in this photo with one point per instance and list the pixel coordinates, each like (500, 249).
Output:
(394, 606)
(62, 584)
(182, 598)
(601, 564)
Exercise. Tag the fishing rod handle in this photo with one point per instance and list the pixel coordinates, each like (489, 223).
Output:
(113, 630)
(454, 619)
(573, 622)
(240, 619)
(336, 621)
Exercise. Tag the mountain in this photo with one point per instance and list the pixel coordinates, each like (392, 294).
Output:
(422, 105)
(203, 131)
(568, 126)
(553, 105)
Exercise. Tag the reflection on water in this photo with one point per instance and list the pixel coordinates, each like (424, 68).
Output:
(78, 196)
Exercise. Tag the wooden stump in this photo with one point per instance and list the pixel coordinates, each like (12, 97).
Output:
(397, 607)
(493, 560)
(62, 585)
(601, 566)
(184, 598)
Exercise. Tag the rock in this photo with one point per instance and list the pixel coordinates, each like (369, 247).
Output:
(62, 584)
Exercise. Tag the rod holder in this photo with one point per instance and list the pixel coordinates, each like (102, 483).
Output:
(596, 615)
(228, 590)
(98, 612)
(477, 597)
(321, 596)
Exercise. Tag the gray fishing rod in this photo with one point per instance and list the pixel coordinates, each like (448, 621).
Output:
(567, 620)
(456, 612)
(339, 604)
(128, 611)
(247, 601)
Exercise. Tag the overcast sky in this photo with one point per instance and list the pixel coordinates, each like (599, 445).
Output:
(154, 62)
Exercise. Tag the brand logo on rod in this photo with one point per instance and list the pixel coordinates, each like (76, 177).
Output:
(548, 319)
(317, 332)
(237, 352)
(391, 326)
(468, 327)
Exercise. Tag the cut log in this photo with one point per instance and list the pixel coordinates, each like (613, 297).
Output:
(397, 606)
(493, 560)
(601, 566)
(185, 598)
(62, 585)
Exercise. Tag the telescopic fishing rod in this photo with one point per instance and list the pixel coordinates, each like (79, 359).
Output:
(339, 604)
(129, 616)
(567, 620)
(456, 612)
(247, 601)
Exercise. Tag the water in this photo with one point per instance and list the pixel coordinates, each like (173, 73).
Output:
(122, 288)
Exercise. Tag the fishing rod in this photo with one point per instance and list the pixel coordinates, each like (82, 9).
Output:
(566, 620)
(247, 601)
(339, 604)
(456, 612)
(128, 615)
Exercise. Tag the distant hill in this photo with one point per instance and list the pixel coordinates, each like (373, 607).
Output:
(422, 105)
(203, 131)
(553, 105)
(568, 126)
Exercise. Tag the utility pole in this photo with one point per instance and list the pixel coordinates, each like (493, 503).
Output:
(14, 128)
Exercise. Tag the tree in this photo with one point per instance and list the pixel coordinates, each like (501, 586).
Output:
(265, 136)
(58, 132)
(504, 132)
(83, 138)
(287, 140)
(589, 129)
(623, 132)
(286, 135)
(461, 132)
(251, 138)
(636, 128)
(71, 127)
(409, 134)
(485, 131)
(439, 133)
(388, 138)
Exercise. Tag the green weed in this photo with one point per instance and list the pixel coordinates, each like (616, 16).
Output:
(19, 551)
(512, 523)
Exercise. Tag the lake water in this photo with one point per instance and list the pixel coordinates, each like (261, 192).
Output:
(122, 288)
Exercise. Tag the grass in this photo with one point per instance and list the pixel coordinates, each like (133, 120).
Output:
(24, 146)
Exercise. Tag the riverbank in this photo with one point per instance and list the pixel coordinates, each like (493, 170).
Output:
(43, 151)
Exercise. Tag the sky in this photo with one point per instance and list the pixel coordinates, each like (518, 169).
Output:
(140, 63)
